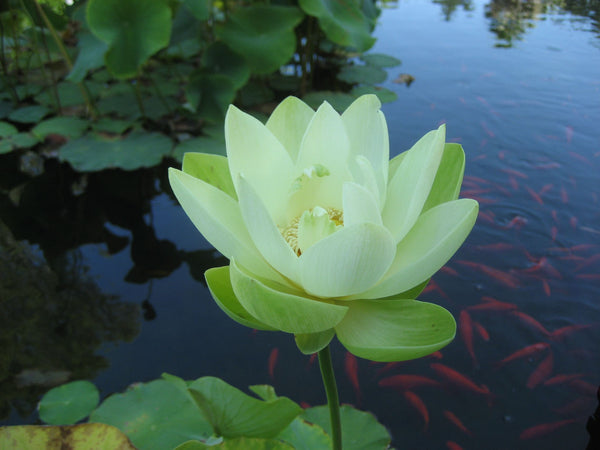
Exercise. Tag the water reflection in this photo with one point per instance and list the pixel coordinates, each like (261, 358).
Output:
(449, 7)
(53, 319)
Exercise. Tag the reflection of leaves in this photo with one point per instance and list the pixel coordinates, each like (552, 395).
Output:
(200, 261)
(51, 321)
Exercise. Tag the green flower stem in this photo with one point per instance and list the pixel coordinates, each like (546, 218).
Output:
(332, 397)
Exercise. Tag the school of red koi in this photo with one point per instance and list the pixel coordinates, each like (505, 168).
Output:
(487, 363)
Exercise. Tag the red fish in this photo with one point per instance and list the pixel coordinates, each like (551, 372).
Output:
(562, 378)
(486, 216)
(498, 246)
(546, 286)
(492, 305)
(573, 222)
(553, 232)
(436, 355)
(453, 445)
(418, 404)
(569, 133)
(388, 367)
(516, 222)
(449, 270)
(541, 372)
(458, 379)
(544, 429)
(534, 195)
(465, 327)
(526, 318)
(483, 333)
(311, 360)
(407, 382)
(525, 352)
(545, 188)
(515, 173)
(456, 421)
(583, 387)
(351, 366)
(514, 184)
(563, 195)
(563, 332)
(273, 361)
(503, 277)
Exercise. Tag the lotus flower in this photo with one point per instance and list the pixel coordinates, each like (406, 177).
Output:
(324, 234)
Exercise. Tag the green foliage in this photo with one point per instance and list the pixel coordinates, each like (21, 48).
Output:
(263, 34)
(71, 127)
(69, 403)
(133, 29)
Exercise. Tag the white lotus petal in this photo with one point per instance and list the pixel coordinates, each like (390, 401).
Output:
(436, 236)
(264, 233)
(363, 174)
(349, 261)
(412, 181)
(288, 123)
(359, 206)
(254, 151)
(217, 216)
(368, 134)
(313, 226)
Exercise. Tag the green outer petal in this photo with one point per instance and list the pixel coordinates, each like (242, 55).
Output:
(446, 186)
(395, 330)
(359, 206)
(219, 283)
(436, 236)
(217, 216)
(288, 123)
(368, 134)
(314, 342)
(214, 169)
(286, 312)
(409, 188)
(265, 234)
(348, 261)
(254, 152)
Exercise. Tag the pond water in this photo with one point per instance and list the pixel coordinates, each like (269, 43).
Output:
(519, 88)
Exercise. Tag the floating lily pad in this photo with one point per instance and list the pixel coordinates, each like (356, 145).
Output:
(69, 403)
(237, 444)
(71, 127)
(306, 436)
(384, 95)
(155, 415)
(360, 430)
(133, 29)
(199, 8)
(87, 436)
(7, 129)
(362, 74)
(263, 34)
(342, 21)
(108, 125)
(16, 141)
(29, 114)
(5, 109)
(339, 100)
(233, 413)
(70, 94)
(138, 149)
(380, 60)
(202, 144)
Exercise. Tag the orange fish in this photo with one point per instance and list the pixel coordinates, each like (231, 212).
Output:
(564, 332)
(545, 188)
(449, 270)
(498, 246)
(418, 404)
(546, 286)
(562, 378)
(526, 318)
(534, 195)
(583, 387)
(407, 382)
(544, 429)
(272, 362)
(541, 372)
(492, 306)
(525, 352)
(458, 379)
(503, 277)
(481, 331)
(456, 421)
(453, 445)
(351, 366)
(515, 173)
(465, 327)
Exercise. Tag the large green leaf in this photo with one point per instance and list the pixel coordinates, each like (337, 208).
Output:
(235, 414)
(87, 436)
(209, 94)
(138, 149)
(220, 59)
(71, 127)
(7, 129)
(342, 21)
(90, 56)
(384, 95)
(241, 443)
(155, 415)
(395, 330)
(380, 60)
(199, 8)
(133, 29)
(339, 100)
(362, 74)
(360, 430)
(29, 114)
(16, 141)
(69, 403)
(306, 436)
(263, 34)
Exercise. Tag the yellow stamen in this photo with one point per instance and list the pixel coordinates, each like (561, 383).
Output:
(290, 233)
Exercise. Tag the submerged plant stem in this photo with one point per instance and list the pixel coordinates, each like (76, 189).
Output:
(332, 397)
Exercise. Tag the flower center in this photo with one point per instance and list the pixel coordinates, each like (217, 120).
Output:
(312, 226)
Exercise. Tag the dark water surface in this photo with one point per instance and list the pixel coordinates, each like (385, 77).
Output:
(527, 111)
